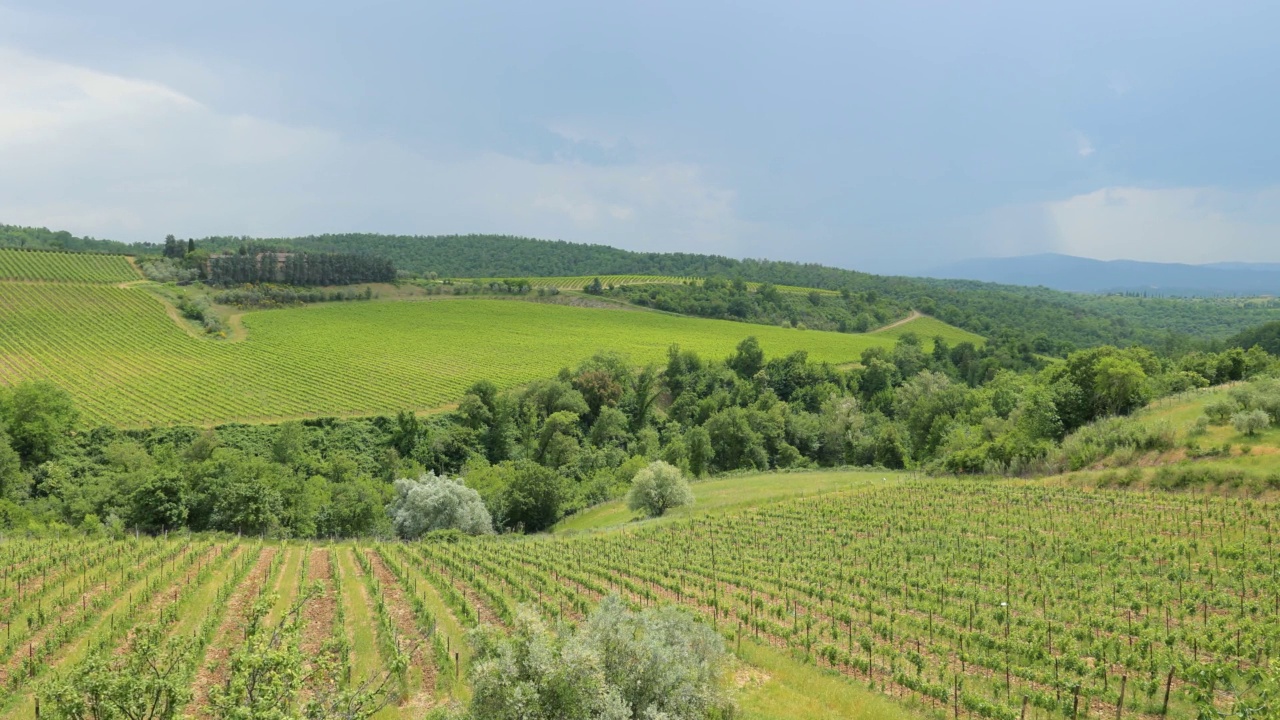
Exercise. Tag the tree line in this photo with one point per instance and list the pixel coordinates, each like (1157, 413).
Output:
(254, 265)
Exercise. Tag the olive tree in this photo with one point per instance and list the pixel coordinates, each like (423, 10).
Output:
(437, 502)
(617, 665)
(658, 488)
(1251, 422)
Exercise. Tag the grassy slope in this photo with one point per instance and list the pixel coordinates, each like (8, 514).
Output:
(730, 493)
(128, 363)
(786, 689)
(1257, 456)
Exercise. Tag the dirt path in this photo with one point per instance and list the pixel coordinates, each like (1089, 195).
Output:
(915, 315)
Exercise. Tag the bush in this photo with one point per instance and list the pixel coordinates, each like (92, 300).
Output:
(1097, 440)
(1219, 412)
(434, 502)
(658, 488)
(1251, 422)
(658, 663)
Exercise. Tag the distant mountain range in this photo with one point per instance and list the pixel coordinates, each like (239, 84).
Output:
(1077, 274)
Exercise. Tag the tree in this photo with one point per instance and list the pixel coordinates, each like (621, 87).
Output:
(10, 467)
(609, 429)
(532, 497)
(558, 439)
(617, 665)
(1118, 385)
(290, 443)
(1250, 422)
(595, 287)
(701, 453)
(1219, 412)
(147, 682)
(737, 444)
(658, 488)
(160, 502)
(747, 359)
(434, 502)
(39, 416)
(406, 433)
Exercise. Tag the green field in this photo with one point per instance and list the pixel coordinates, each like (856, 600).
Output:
(49, 266)
(977, 595)
(730, 492)
(128, 363)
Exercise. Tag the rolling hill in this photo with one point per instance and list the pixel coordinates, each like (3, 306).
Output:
(1055, 321)
(128, 360)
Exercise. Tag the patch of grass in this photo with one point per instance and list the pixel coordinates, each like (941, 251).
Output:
(778, 687)
(733, 492)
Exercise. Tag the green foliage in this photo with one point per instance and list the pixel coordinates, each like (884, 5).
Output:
(433, 503)
(659, 488)
(257, 263)
(1250, 422)
(10, 466)
(617, 665)
(529, 496)
(1053, 322)
(1265, 336)
(14, 236)
(1220, 411)
(148, 681)
(38, 416)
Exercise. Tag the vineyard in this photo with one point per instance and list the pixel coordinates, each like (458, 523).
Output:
(979, 600)
(129, 364)
(49, 266)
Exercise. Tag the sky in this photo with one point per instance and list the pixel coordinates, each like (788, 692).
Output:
(882, 136)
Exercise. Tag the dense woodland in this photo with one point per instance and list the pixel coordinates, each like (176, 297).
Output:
(537, 453)
(1266, 336)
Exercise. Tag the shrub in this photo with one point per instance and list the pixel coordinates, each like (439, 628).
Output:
(1200, 426)
(1219, 412)
(1251, 422)
(434, 502)
(658, 488)
(658, 663)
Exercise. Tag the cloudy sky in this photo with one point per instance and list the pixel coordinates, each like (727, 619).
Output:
(885, 136)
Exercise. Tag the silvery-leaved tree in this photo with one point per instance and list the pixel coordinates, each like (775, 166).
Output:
(659, 488)
(437, 502)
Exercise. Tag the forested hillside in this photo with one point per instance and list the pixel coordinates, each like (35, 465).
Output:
(46, 239)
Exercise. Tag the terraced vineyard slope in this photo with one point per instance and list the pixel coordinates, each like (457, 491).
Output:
(50, 266)
(128, 363)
